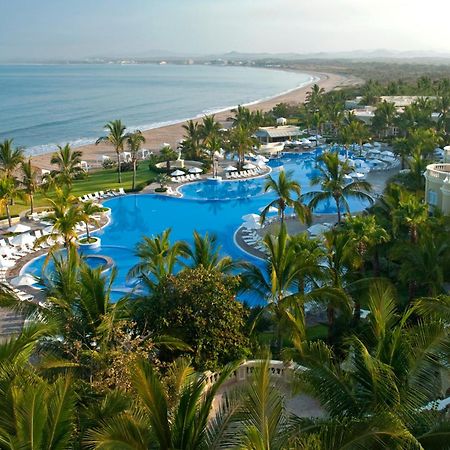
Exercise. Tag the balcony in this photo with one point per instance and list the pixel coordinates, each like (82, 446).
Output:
(438, 171)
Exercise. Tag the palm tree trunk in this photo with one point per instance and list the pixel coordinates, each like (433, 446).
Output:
(119, 172)
(31, 203)
(134, 175)
(330, 318)
(338, 206)
(8, 213)
(87, 231)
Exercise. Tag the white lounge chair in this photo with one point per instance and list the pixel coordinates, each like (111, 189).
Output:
(121, 191)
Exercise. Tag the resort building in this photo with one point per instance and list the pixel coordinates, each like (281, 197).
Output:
(437, 187)
(278, 134)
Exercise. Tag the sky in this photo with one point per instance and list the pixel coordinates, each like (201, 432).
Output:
(70, 29)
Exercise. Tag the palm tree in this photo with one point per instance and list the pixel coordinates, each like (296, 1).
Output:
(157, 257)
(210, 128)
(65, 216)
(384, 117)
(277, 278)
(355, 132)
(314, 98)
(29, 181)
(10, 157)
(241, 141)
(117, 138)
(183, 420)
(135, 140)
(88, 210)
(192, 139)
(334, 185)
(283, 188)
(367, 235)
(38, 414)
(317, 121)
(402, 149)
(167, 154)
(206, 252)
(68, 162)
(380, 386)
(8, 192)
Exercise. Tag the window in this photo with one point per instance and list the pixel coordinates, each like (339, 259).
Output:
(432, 198)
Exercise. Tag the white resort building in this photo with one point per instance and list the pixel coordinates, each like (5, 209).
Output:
(437, 184)
(278, 134)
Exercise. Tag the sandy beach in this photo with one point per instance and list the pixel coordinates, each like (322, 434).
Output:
(172, 134)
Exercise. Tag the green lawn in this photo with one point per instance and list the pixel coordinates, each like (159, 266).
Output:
(98, 180)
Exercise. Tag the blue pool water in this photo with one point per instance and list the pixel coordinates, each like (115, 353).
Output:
(135, 216)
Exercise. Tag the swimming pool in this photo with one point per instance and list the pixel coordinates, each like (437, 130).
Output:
(207, 206)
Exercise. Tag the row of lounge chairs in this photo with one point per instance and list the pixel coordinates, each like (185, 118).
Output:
(21, 295)
(188, 177)
(102, 195)
(243, 174)
(254, 240)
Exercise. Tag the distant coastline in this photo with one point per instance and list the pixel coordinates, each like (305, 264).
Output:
(173, 132)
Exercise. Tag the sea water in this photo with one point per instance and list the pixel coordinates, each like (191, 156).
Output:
(45, 105)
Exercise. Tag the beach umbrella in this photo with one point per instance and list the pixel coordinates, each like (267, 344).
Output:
(306, 142)
(368, 145)
(6, 251)
(249, 166)
(347, 177)
(24, 280)
(250, 217)
(177, 173)
(251, 225)
(6, 263)
(195, 170)
(318, 228)
(271, 209)
(375, 152)
(230, 169)
(387, 153)
(19, 228)
(376, 144)
(358, 175)
(376, 161)
(22, 239)
(262, 158)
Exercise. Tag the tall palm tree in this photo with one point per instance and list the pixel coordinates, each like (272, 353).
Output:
(68, 162)
(8, 192)
(135, 140)
(241, 141)
(367, 235)
(314, 97)
(206, 252)
(65, 216)
(184, 421)
(192, 139)
(334, 185)
(10, 157)
(168, 154)
(117, 138)
(355, 132)
(29, 181)
(158, 257)
(38, 414)
(88, 210)
(283, 188)
(384, 117)
(278, 279)
(210, 128)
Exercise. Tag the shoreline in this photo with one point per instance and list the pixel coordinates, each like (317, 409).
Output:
(173, 132)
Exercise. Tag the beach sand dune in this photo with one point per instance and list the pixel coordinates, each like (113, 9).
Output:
(172, 134)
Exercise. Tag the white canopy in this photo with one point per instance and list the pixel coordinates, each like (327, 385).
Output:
(306, 142)
(230, 169)
(318, 228)
(24, 280)
(22, 239)
(367, 145)
(251, 225)
(249, 166)
(358, 175)
(387, 153)
(6, 263)
(271, 209)
(19, 228)
(195, 170)
(177, 173)
(375, 152)
(249, 217)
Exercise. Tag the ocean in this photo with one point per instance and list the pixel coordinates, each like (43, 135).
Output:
(45, 105)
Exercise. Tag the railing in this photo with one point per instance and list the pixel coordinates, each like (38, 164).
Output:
(278, 369)
(439, 171)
